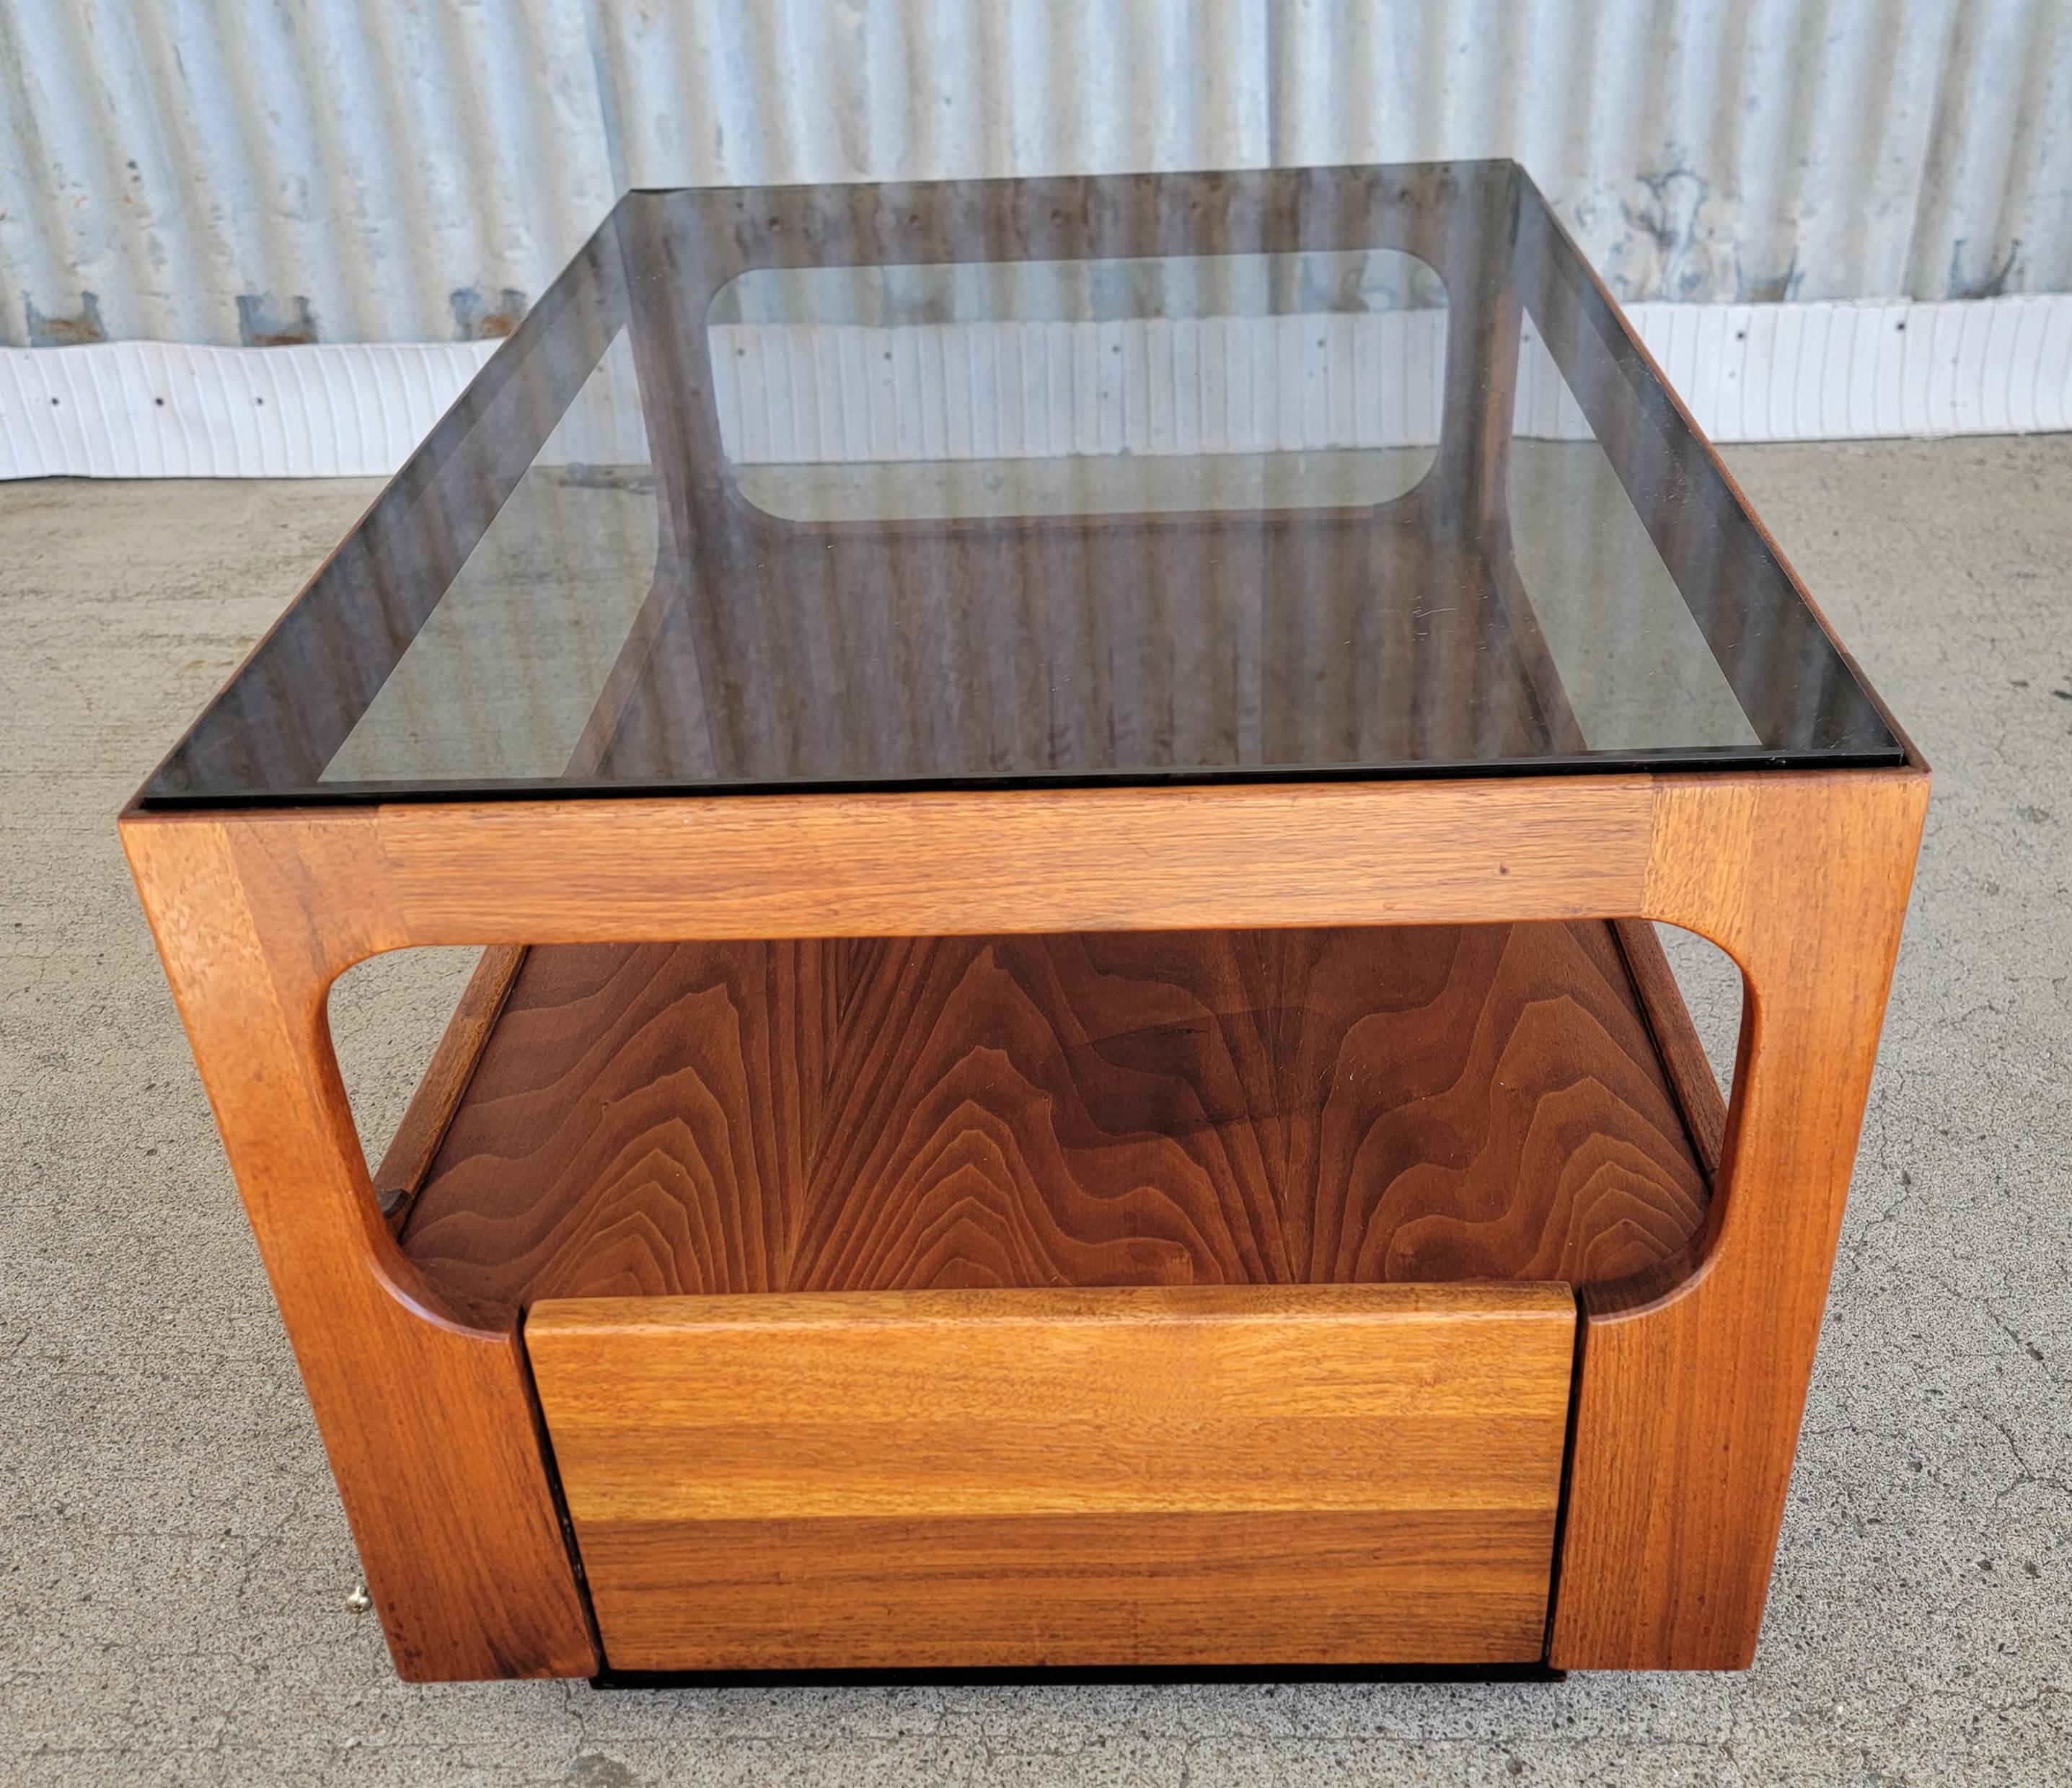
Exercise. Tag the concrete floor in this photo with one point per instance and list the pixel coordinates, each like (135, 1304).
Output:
(174, 1564)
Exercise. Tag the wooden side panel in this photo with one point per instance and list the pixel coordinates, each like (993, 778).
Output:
(1688, 1402)
(971, 1479)
(423, 1399)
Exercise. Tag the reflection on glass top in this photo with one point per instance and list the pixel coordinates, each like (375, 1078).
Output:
(1143, 386)
(1317, 473)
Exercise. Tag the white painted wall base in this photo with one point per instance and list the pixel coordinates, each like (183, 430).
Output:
(1749, 373)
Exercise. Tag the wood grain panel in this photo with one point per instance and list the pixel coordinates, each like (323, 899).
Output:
(1378, 1104)
(1202, 1474)
(666, 1100)
(934, 862)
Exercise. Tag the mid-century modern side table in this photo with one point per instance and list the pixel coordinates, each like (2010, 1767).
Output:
(1067, 785)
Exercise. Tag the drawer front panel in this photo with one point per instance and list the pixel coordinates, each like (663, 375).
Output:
(974, 1479)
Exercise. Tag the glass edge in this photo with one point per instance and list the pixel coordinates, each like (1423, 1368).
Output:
(1666, 763)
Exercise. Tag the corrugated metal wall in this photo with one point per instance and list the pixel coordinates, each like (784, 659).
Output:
(267, 170)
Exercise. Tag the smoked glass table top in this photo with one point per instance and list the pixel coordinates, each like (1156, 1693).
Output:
(1325, 473)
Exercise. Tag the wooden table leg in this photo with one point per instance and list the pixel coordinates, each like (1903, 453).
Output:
(426, 1409)
(1688, 1401)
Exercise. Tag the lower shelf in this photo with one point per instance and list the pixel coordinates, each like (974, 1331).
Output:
(1133, 1299)
(1392, 1105)
(974, 1480)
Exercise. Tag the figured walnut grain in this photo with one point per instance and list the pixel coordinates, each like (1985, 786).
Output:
(1243, 1108)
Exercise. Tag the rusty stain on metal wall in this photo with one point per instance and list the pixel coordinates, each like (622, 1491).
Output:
(401, 174)
(263, 323)
(76, 331)
(476, 318)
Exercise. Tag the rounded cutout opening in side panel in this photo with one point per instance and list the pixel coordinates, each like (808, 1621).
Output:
(390, 1017)
(1711, 983)
(1690, 992)
(1179, 384)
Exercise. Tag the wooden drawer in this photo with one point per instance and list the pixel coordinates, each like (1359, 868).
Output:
(1197, 1475)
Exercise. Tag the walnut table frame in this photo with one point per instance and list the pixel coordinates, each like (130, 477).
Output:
(1309, 1468)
